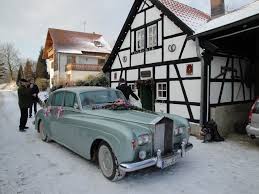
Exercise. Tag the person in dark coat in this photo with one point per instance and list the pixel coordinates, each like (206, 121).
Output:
(35, 92)
(126, 90)
(24, 100)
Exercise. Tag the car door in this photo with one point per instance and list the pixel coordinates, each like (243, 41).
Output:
(69, 121)
(55, 114)
(255, 115)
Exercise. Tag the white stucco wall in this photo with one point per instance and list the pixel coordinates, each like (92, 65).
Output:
(161, 107)
(215, 87)
(189, 50)
(126, 42)
(132, 75)
(178, 42)
(138, 21)
(137, 59)
(160, 72)
(170, 28)
(180, 110)
(152, 14)
(154, 56)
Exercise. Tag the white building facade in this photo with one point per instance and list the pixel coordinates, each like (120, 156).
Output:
(167, 69)
(74, 56)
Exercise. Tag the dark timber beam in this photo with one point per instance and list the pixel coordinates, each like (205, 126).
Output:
(207, 58)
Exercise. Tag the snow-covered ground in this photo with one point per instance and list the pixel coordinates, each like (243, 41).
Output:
(30, 166)
(8, 86)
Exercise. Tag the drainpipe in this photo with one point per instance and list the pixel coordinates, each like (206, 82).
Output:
(198, 49)
(204, 57)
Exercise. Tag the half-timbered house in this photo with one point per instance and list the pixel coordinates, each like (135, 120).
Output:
(170, 69)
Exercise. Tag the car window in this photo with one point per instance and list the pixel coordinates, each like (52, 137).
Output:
(100, 97)
(48, 102)
(256, 110)
(58, 99)
(70, 99)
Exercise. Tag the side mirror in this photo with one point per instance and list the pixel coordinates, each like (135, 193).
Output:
(76, 106)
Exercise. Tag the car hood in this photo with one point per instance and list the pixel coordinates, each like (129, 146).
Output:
(125, 115)
(134, 116)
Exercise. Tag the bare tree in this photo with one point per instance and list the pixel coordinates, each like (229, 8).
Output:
(9, 56)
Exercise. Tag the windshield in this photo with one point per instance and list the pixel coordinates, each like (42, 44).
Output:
(102, 97)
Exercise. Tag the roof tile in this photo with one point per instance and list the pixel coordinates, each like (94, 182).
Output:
(76, 42)
(192, 17)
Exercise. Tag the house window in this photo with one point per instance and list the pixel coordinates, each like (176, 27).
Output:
(161, 91)
(71, 59)
(101, 61)
(115, 76)
(152, 36)
(133, 87)
(140, 37)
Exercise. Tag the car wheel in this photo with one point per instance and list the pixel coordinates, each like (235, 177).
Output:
(42, 131)
(108, 163)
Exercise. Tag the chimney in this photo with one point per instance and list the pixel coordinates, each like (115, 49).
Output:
(217, 8)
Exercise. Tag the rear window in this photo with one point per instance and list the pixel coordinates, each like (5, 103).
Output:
(57, 99)
(256, 109)
(70, 99)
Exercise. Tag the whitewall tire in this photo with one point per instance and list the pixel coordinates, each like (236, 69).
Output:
(108, 163)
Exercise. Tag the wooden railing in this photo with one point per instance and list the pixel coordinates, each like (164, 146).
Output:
(83, 67)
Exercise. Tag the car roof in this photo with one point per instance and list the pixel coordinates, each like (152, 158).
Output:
(81, 89)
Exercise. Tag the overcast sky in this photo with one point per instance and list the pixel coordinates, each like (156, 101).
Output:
(25, 22)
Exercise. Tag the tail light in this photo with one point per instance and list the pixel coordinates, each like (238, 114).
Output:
(252, 111)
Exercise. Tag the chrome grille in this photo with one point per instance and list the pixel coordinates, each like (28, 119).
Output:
(163, 136)
(159, 137)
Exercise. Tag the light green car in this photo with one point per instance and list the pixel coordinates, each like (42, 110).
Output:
(97, 124)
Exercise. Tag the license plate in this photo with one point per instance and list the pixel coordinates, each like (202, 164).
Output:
(168, 161)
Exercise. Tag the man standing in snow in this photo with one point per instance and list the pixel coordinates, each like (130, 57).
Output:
(35, 92)
(24, 97)
(126, 90)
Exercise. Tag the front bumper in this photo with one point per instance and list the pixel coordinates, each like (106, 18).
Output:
(155, 161)
(252, 131)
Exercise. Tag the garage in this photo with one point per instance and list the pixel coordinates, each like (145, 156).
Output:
(230, 66)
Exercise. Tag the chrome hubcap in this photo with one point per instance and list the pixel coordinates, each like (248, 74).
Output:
(105, 161)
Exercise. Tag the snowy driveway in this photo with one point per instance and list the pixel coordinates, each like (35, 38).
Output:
(28, 165)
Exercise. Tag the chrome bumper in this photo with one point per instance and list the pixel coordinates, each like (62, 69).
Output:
(155, 161)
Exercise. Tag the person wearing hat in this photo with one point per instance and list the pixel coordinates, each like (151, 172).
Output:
(126, 90)
(24, 100)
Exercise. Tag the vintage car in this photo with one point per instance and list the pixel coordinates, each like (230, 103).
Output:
(99, 125)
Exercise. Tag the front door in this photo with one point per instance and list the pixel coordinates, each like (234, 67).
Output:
(146, 96)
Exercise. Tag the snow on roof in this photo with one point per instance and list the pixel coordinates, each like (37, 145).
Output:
(192, 17)
(76, 42)
(243, 13)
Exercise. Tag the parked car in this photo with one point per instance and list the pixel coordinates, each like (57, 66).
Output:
(253, 126)
(97, 124)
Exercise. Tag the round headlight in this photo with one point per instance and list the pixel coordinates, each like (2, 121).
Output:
(179, 130)
(140, 141)
(143, 139)
(142, 155)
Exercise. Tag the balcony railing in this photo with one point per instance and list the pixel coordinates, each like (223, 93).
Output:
(83, 67)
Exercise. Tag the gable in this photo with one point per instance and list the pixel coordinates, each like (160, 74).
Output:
(144, 12)
(145, 5)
